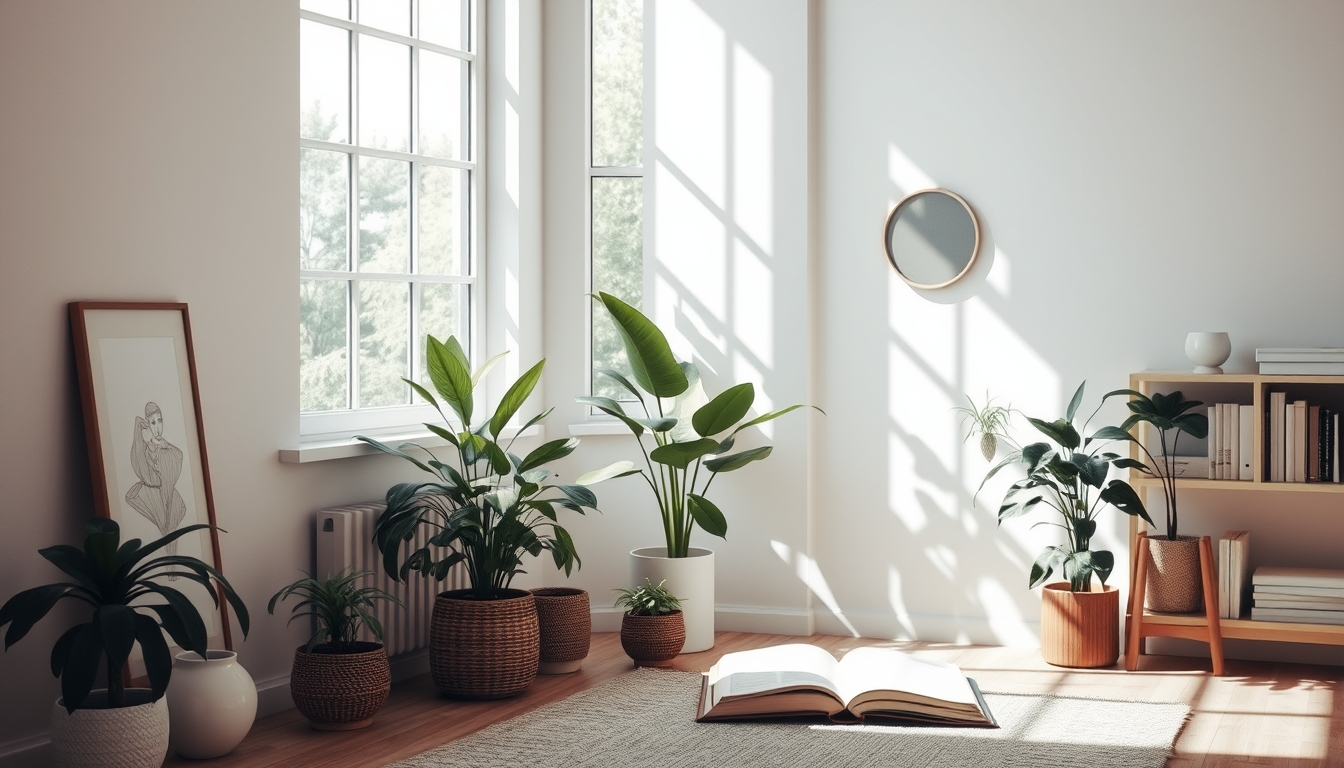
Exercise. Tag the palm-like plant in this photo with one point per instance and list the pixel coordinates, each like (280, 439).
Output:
(648, 599)
(108, 576)
(688, 434)
(1169, 415)
(341, 606)
(1069, 475)
(489, 507)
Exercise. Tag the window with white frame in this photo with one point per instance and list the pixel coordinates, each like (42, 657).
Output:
(387, 175)
(615, 172)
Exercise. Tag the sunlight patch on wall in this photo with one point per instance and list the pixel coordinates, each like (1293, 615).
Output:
(901, 481)
(808, 573)
(897, 600)
(944, 559)
(1005, 620)
(753, 304)
(1000, 276)
(904, 173)
(753, 148)
(690, 113)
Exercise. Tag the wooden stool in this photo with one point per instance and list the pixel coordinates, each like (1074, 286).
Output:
(1210, 631)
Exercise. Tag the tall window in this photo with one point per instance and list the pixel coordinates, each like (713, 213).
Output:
(615, 171)
(386, 172)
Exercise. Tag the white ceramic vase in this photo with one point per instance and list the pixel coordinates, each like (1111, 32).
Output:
(128, 737)
(690, 578)
(213, 703)
(1208, 350)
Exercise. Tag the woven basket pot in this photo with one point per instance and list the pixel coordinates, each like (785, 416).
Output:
(1174, 581)
(566, 628)
(484, 649)
(653, 641)
(340, 691)
(1080, 629)
(135, 736)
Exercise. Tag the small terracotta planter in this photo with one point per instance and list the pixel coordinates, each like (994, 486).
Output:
(1174, 581)
(342, 688)
(1080, 629)
(566, 625)
(484, 649)
(653, 641)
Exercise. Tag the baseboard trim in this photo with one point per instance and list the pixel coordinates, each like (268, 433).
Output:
(273, 696)
(730, 618)
(946, 629)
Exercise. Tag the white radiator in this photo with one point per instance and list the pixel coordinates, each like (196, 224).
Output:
(345, 541)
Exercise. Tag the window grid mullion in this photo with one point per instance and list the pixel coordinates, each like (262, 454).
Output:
(362, 29)
(352, 355)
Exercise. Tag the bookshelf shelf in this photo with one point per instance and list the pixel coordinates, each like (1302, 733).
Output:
(1247, 389)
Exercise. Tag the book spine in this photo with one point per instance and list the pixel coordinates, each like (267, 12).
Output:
(1233, 441)
(1213, 444)
(1246, 442)
(1275, 437)
(1289, 442)
(1224, 601)
(1334, 449)
(1313, 443)
(1300, 434)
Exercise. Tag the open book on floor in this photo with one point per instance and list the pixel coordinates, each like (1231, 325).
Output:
(799, 680)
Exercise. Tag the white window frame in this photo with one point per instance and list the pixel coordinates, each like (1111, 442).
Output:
(322, 426)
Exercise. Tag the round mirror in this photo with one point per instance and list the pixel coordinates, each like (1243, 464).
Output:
(932, 238)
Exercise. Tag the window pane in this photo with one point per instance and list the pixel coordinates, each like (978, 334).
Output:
(444, 22)
(324, 319)
(443, 313)
(391, 15)
(384, 215)
(618, 82)
(324, 82)
(618, 267)
(384, 94)
(443, 221)
(441, 106)
(338, 8)
(324, 193)
(384, 335)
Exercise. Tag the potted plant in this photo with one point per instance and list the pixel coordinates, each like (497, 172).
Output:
(692, 436)
(487, 509)
(1068, 473)
(116, 725)
(566, 625)
(989, 421)
(653, 629)
(1174, 581)
(340, 682)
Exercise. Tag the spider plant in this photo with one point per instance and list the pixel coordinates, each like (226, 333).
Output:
(989, 421)
(648, 599)
(339, 604)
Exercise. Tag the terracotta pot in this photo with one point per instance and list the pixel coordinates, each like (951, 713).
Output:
(653, 641)
(566, 625)
(484, 649)
(1174, 581)
(1080, 629)
(340, 691)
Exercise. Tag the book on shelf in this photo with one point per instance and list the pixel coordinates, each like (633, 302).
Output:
(1281, 591)
(1298, 577)
(868, 683)
(1299, 441)
(1231, 433)
(1297, 601)
(1297, 615)
(1313, 443)
(1302, 369)
(1246, 442)
(1299, 355)
(1230, 441)
(1233, 558)
(1277, 400)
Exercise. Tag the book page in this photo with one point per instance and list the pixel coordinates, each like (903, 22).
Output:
(748, 673)
(865, 670)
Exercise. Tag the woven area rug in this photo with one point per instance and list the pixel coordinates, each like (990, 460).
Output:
(646, 718)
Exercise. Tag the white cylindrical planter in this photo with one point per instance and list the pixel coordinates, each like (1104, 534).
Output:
(212, 702)
(127, 737)
(690, 578)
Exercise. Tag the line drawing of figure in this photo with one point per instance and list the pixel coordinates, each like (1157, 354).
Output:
(158, 464)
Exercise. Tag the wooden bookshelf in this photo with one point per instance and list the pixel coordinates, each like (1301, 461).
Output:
(1247, 389)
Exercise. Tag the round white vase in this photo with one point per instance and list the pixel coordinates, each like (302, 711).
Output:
(212, 702)
(1208, 350)
(135, 736)
(690, 578)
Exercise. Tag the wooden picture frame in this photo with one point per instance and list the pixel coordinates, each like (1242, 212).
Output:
(142, 423)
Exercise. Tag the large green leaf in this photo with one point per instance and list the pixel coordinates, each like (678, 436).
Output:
(81, 666)
(548, 452)
(1011, 508)
(485, 368)
(1120, 495)
(1111, 433)
(775, 415)
(117, 627)
(1059, 430)
(1045, 565)
(725, 410)
(1103, 562)
(1092, 469)
(187, 614)
(451, 376)
(651, 361)
(707, 516)
(633, 425)
(609, 472)
(737, 460)
(514, 398)
(28, 607)
(680, 455)
(623, 382)
(1074, 403)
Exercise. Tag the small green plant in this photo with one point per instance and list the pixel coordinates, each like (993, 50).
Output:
(339, 604)
(989, 421)
(648, 599)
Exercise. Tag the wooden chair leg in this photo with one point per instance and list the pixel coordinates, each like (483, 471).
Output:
(1135, 639)
(1208, 570)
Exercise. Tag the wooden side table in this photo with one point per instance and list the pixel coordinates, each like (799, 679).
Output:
(1210, 631)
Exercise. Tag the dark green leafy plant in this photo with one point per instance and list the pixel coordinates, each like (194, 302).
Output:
(648, 599)
(688, 436)
(488, 507)
(339, 604)
(109, 575)
(1069, 475)
(1169, 415)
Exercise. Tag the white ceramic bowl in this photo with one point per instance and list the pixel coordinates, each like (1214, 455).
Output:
(1208, 350)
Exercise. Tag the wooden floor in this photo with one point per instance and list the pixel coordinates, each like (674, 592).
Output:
(1259, 713)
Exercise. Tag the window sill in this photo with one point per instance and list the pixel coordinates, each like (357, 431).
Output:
(328, 450)
(598, 428)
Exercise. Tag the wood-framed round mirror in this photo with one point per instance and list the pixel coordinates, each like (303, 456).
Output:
(932, 238)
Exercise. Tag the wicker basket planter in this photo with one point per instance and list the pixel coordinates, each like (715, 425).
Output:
(134, 736)
(484, 649)
(566, 628)
(340, 691)
(653, 641)
(1174, 580)
(1080, 629)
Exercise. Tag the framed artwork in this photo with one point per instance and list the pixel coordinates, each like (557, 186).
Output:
(146, 440)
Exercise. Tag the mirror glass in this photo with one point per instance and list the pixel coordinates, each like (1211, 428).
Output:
(932, 238)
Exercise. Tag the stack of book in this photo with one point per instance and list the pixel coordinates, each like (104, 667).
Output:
(1233, 555)
(1231, 441)
(1303, 441)
(1293, 361)
(1301, 595)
